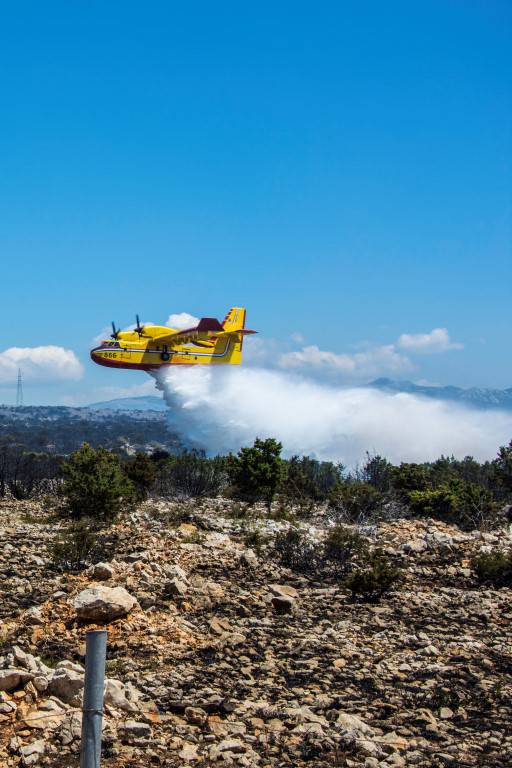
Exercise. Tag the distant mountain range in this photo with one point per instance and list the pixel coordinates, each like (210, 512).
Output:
(146, 403)
(474, 397)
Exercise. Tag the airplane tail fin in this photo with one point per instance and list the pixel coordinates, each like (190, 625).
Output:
(234, 320)
(234, 329)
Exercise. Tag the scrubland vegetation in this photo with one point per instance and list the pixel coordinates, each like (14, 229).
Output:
(94, 487)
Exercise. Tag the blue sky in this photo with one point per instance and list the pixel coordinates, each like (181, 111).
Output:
(344, 170)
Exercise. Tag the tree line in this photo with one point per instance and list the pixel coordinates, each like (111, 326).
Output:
(98, 482)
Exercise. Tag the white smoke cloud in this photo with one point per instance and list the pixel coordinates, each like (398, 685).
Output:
(182, 320)
(438, 340)
(48, 363)
(221, 409)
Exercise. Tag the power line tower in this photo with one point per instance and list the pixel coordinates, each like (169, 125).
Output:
(19, 391)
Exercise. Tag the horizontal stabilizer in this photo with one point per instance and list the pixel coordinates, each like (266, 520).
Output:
(240, 332)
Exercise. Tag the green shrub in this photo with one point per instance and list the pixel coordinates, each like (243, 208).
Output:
(257, 472)
(375, 579)
(192, 475)
(141, 471)
(355, 502)
(95, 485)
(411, 477)
(253, 538)
(440, 504)
(494, 568)
(73, 547)
(467, 505)
(308, 481)
(295, 549)
(342, 548)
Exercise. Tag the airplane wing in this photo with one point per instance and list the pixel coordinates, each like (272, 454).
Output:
(207, 328)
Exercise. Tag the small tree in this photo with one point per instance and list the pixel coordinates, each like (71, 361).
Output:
(257, 472)
(95, 485)
(503, 467)
(377, 471)
(142, 473)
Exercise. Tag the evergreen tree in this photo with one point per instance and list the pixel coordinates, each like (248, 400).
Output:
(95, 485)
(257, 472)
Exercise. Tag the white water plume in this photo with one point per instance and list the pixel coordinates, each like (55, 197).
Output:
(221, 409)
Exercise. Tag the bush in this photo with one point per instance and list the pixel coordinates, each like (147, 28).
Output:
(355, 502)
(440, 504)
(192, 475)
(308, 481)
(142, 473)
(467, 505)
(295, 549)
(411, 477)
(342, 548)
(257, 472)
(254, 538)
(373, 581)
(494, 568)
(95, 485)
(73, 547)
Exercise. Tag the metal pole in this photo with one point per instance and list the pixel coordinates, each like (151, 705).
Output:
(92, 708)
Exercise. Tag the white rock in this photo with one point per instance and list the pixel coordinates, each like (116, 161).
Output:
(118, 696)
(31, 753)
(33, 616)
(12, 678)
(135, 730)
(103, 604)
(100, 571)
(176, 587)
(67, 684)
(353, 724)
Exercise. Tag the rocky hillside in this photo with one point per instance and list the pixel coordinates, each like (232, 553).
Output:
(220, 656)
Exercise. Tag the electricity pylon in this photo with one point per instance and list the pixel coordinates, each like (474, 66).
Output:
(19, 391)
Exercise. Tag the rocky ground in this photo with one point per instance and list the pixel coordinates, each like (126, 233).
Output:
(217, 655)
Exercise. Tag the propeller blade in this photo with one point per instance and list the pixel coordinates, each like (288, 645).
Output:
(115, 332)
(139, 328)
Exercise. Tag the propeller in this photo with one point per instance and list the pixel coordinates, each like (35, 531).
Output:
(139, 328)
(115, 333)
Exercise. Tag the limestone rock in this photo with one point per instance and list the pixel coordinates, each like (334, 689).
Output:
(132, 729)
(32, 753)
(100, 571)
(103, 604)
(67, 682)
(176, 587)
(12, 678)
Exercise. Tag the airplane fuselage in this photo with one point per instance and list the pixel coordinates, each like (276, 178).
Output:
(146, 355)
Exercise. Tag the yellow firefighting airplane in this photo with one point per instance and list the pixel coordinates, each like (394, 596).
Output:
(153, 346)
